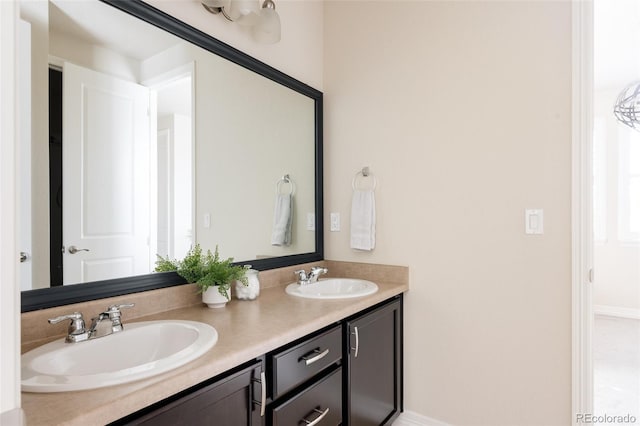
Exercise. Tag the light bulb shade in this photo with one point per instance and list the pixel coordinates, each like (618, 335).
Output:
(217, 3)
(245, 12)
(248, 20)
(627, 106)
(267, 29)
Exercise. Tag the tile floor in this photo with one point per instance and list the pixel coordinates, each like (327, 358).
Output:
(616, 364)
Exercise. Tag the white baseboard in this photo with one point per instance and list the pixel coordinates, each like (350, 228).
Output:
(410, 418)
(616, 311)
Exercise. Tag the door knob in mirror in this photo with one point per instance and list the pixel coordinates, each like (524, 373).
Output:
(74, 249)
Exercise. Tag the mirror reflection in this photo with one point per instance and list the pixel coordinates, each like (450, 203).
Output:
(148, 144)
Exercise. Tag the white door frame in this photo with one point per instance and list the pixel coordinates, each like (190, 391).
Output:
(156, 83)
(581, 208)
(24, 236)
(9, 287)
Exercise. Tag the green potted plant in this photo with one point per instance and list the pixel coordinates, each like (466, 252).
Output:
(212, 275)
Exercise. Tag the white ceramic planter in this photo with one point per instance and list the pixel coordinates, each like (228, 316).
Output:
(213, 299)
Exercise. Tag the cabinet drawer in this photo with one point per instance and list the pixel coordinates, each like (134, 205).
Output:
(293, 366)
(320, 403)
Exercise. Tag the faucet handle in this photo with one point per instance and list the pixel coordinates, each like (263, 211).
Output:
(72, 316)
(302, 274)
(316, 271)
(77, 322)
(114, 310)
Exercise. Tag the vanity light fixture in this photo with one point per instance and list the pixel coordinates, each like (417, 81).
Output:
(263, 20)
(627, 106)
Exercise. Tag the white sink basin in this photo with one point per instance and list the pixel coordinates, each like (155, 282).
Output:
(333, 288)
(141, 350)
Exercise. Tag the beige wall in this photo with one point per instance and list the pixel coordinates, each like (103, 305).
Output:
(463, 111)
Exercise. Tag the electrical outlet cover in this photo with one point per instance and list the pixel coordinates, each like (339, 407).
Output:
(335, 222)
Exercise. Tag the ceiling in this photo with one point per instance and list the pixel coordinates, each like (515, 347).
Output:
(105, 26)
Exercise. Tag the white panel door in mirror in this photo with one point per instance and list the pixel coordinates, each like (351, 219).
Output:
(106, 214)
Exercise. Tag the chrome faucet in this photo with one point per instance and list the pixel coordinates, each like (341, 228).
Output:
(312, 276)
(112, 314)
(77, 331)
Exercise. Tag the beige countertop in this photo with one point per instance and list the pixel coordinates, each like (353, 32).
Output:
(246, 329)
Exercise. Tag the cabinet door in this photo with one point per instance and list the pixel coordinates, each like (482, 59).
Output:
(229, 401)
(374, 366)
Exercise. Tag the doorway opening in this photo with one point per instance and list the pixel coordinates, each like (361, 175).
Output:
(616, 214)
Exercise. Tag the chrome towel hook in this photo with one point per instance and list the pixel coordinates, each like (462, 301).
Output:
(284, 180)
(365, 173)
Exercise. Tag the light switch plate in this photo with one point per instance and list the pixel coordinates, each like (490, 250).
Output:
(534, 221)
(206, 219)
(311, 221)
(335, 222)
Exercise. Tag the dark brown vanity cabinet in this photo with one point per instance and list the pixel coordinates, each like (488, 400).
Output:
(232, 400)
(347, 374)
(373, 366)
(366, 380)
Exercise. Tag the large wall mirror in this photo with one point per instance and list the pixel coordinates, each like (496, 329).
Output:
(142, 136)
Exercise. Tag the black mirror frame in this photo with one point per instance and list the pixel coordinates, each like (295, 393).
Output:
(32, 300)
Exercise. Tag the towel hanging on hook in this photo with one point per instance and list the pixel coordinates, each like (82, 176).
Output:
(363, 214)
(283, 214)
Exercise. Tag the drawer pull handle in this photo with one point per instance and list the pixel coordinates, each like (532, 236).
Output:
(263, 397)
(314, 356)
(317, 419)
(355, 350)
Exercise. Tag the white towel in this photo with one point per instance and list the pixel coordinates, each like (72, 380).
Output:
(363, 220)
(282, 218)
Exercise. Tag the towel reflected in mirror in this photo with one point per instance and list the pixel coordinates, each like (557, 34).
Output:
(282, 220)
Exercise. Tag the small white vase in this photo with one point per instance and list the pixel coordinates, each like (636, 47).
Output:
(213, 299)
(252, 289)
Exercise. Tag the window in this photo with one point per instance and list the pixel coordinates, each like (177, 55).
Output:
(629, 186)
(599, 180)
